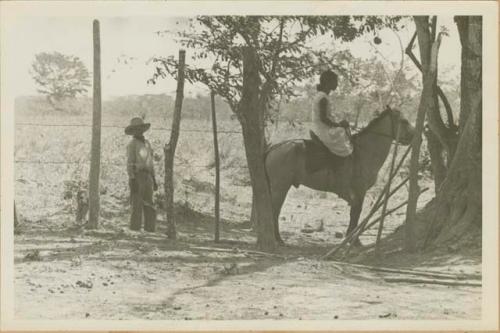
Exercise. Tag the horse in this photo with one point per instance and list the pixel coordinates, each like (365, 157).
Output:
(285, 165)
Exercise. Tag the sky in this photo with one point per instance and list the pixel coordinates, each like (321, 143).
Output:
(136, 37)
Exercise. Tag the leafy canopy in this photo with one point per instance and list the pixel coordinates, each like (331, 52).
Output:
(289, 49)
(59, 76)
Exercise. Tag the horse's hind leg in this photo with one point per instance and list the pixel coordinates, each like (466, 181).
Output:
(280, 167)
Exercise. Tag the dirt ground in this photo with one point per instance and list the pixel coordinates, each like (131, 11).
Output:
(114, 273)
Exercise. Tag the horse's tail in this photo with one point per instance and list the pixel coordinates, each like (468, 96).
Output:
(269, 147)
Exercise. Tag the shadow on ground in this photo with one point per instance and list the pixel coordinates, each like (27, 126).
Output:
(115, 273)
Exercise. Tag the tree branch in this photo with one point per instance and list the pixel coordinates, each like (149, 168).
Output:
(270, 82)
(449, 112)
(278, 49)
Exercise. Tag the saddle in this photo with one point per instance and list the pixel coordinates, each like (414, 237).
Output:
(319, 157)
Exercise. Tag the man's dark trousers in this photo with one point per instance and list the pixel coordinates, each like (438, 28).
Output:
(142, 203)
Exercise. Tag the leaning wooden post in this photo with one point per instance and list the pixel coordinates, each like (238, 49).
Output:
(379, 220)
(95, 158)
(387, 191)
(392, 210)
(169, 149)
(360, 228)
(217, 168)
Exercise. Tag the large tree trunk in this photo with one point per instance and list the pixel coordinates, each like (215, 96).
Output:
(252, 123)
(459, 201)
(469, 28)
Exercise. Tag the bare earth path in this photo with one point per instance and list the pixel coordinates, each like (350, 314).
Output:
(118, 274)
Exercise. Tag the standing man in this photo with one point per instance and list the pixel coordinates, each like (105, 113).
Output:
(141, 176)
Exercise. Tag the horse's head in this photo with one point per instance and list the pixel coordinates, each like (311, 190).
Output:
(400, 124)
(392, 124)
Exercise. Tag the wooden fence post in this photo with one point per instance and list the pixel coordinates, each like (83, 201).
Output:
(169, 149)
(95, 158)
(217, 169)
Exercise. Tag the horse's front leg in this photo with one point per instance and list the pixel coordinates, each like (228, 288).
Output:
(356, 207)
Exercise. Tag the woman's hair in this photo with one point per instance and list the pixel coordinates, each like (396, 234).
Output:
(325, 77)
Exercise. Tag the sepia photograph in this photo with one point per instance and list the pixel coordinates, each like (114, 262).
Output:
(249, 165)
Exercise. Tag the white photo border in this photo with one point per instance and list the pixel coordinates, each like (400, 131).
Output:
(12, 10)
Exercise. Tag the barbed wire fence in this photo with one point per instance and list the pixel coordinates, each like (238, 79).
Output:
(179, 162)
(188, 130)
(122, 127)
(104, 162)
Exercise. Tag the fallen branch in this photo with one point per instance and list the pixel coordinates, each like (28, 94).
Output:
(424, 273)
(438, 275)
(433, 281)
(235, 251)
(387, 191)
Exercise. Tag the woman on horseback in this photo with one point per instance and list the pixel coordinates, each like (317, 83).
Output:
(325, 123)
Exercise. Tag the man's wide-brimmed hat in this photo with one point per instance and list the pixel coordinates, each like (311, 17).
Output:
(137, 125)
